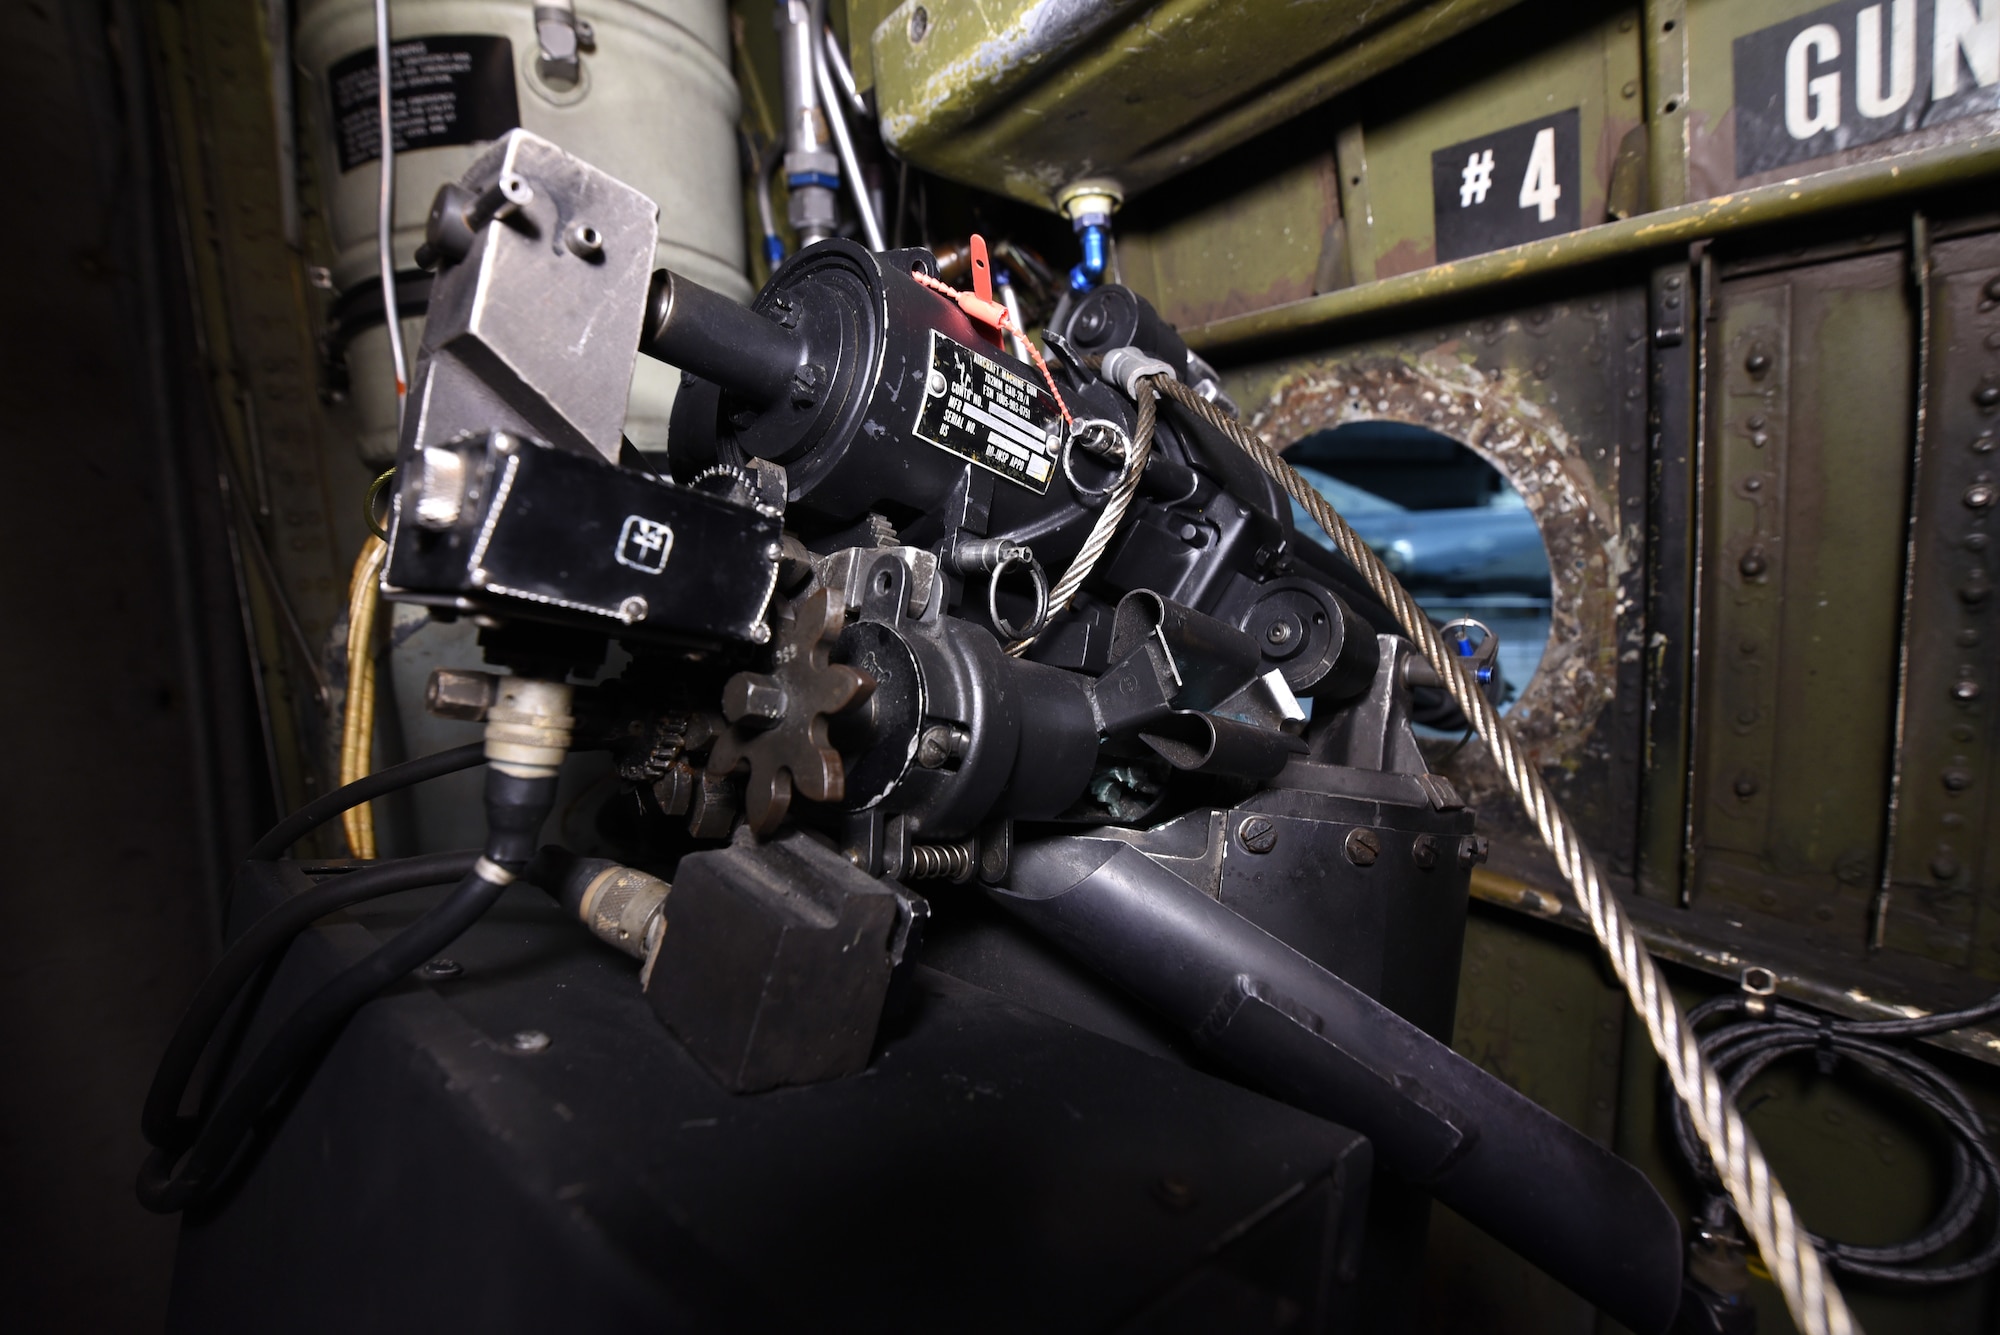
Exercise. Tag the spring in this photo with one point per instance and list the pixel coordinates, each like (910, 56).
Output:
(930, 862)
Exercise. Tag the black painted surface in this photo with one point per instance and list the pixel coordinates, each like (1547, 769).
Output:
(993, 1169)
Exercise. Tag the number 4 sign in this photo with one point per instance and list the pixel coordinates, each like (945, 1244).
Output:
(1515, 185)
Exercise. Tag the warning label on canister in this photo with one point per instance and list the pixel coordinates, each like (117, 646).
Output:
(979, 410)
(447, 89)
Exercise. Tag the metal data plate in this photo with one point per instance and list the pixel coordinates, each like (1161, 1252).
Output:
(979, 410)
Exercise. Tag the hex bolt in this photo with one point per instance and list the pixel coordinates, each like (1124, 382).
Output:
(1472, 850)
(751, 697)
(1363, 847)
(456, 694)
(1424, 852)
(440, 969)
(785, 313)
(530, 1040)
(1258, 834)
(807, 382)
(1980, 495)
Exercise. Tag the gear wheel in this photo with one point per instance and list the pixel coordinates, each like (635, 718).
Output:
(778, 725)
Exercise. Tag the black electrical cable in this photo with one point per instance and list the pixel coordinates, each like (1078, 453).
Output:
(267, 938)
(1745, 1047)
(366, 789)
(291, 1050)
(253, 954)
(205, 1147)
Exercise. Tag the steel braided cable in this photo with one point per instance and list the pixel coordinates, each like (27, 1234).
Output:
(1815, 1302)
(1108, 519)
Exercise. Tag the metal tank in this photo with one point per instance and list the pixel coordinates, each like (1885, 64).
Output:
(653, 102)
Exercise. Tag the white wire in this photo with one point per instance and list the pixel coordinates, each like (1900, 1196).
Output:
(385, 208)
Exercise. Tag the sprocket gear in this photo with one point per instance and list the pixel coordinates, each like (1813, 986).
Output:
(778, 720)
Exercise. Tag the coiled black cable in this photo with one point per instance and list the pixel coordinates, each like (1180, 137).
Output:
(291, 1050)
(266, 940)
(209, 1142)
(1742, 1049)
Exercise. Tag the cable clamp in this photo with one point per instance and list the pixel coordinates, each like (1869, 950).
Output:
(1126, 367)
(491, 872)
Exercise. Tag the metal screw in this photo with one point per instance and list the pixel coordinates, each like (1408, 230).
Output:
(1363, 847)
(1424, 852)
(1993, 288)
(1956, 779)
(1754, 563)
(1278, 632)
(1746, 784)
(1472, 850)
(633, 610)
(530, 1040)
(1757, 362)
(1257, 834)
(1965, 689)
(1987, 396)
(584, 241)
(1981, 495)
(440, 969)
(939, 743)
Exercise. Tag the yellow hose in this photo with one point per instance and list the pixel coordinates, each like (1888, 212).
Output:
(357, 734)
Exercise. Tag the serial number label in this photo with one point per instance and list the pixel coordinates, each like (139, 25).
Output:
(443, 90)
(979, 410)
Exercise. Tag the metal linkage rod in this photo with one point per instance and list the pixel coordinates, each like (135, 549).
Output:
(1815, 1302)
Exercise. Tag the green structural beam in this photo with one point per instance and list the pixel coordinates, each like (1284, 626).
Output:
(1784, 201)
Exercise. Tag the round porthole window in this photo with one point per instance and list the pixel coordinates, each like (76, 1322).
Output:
(1453, 530)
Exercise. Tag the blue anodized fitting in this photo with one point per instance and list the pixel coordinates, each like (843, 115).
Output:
(1095, 233)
